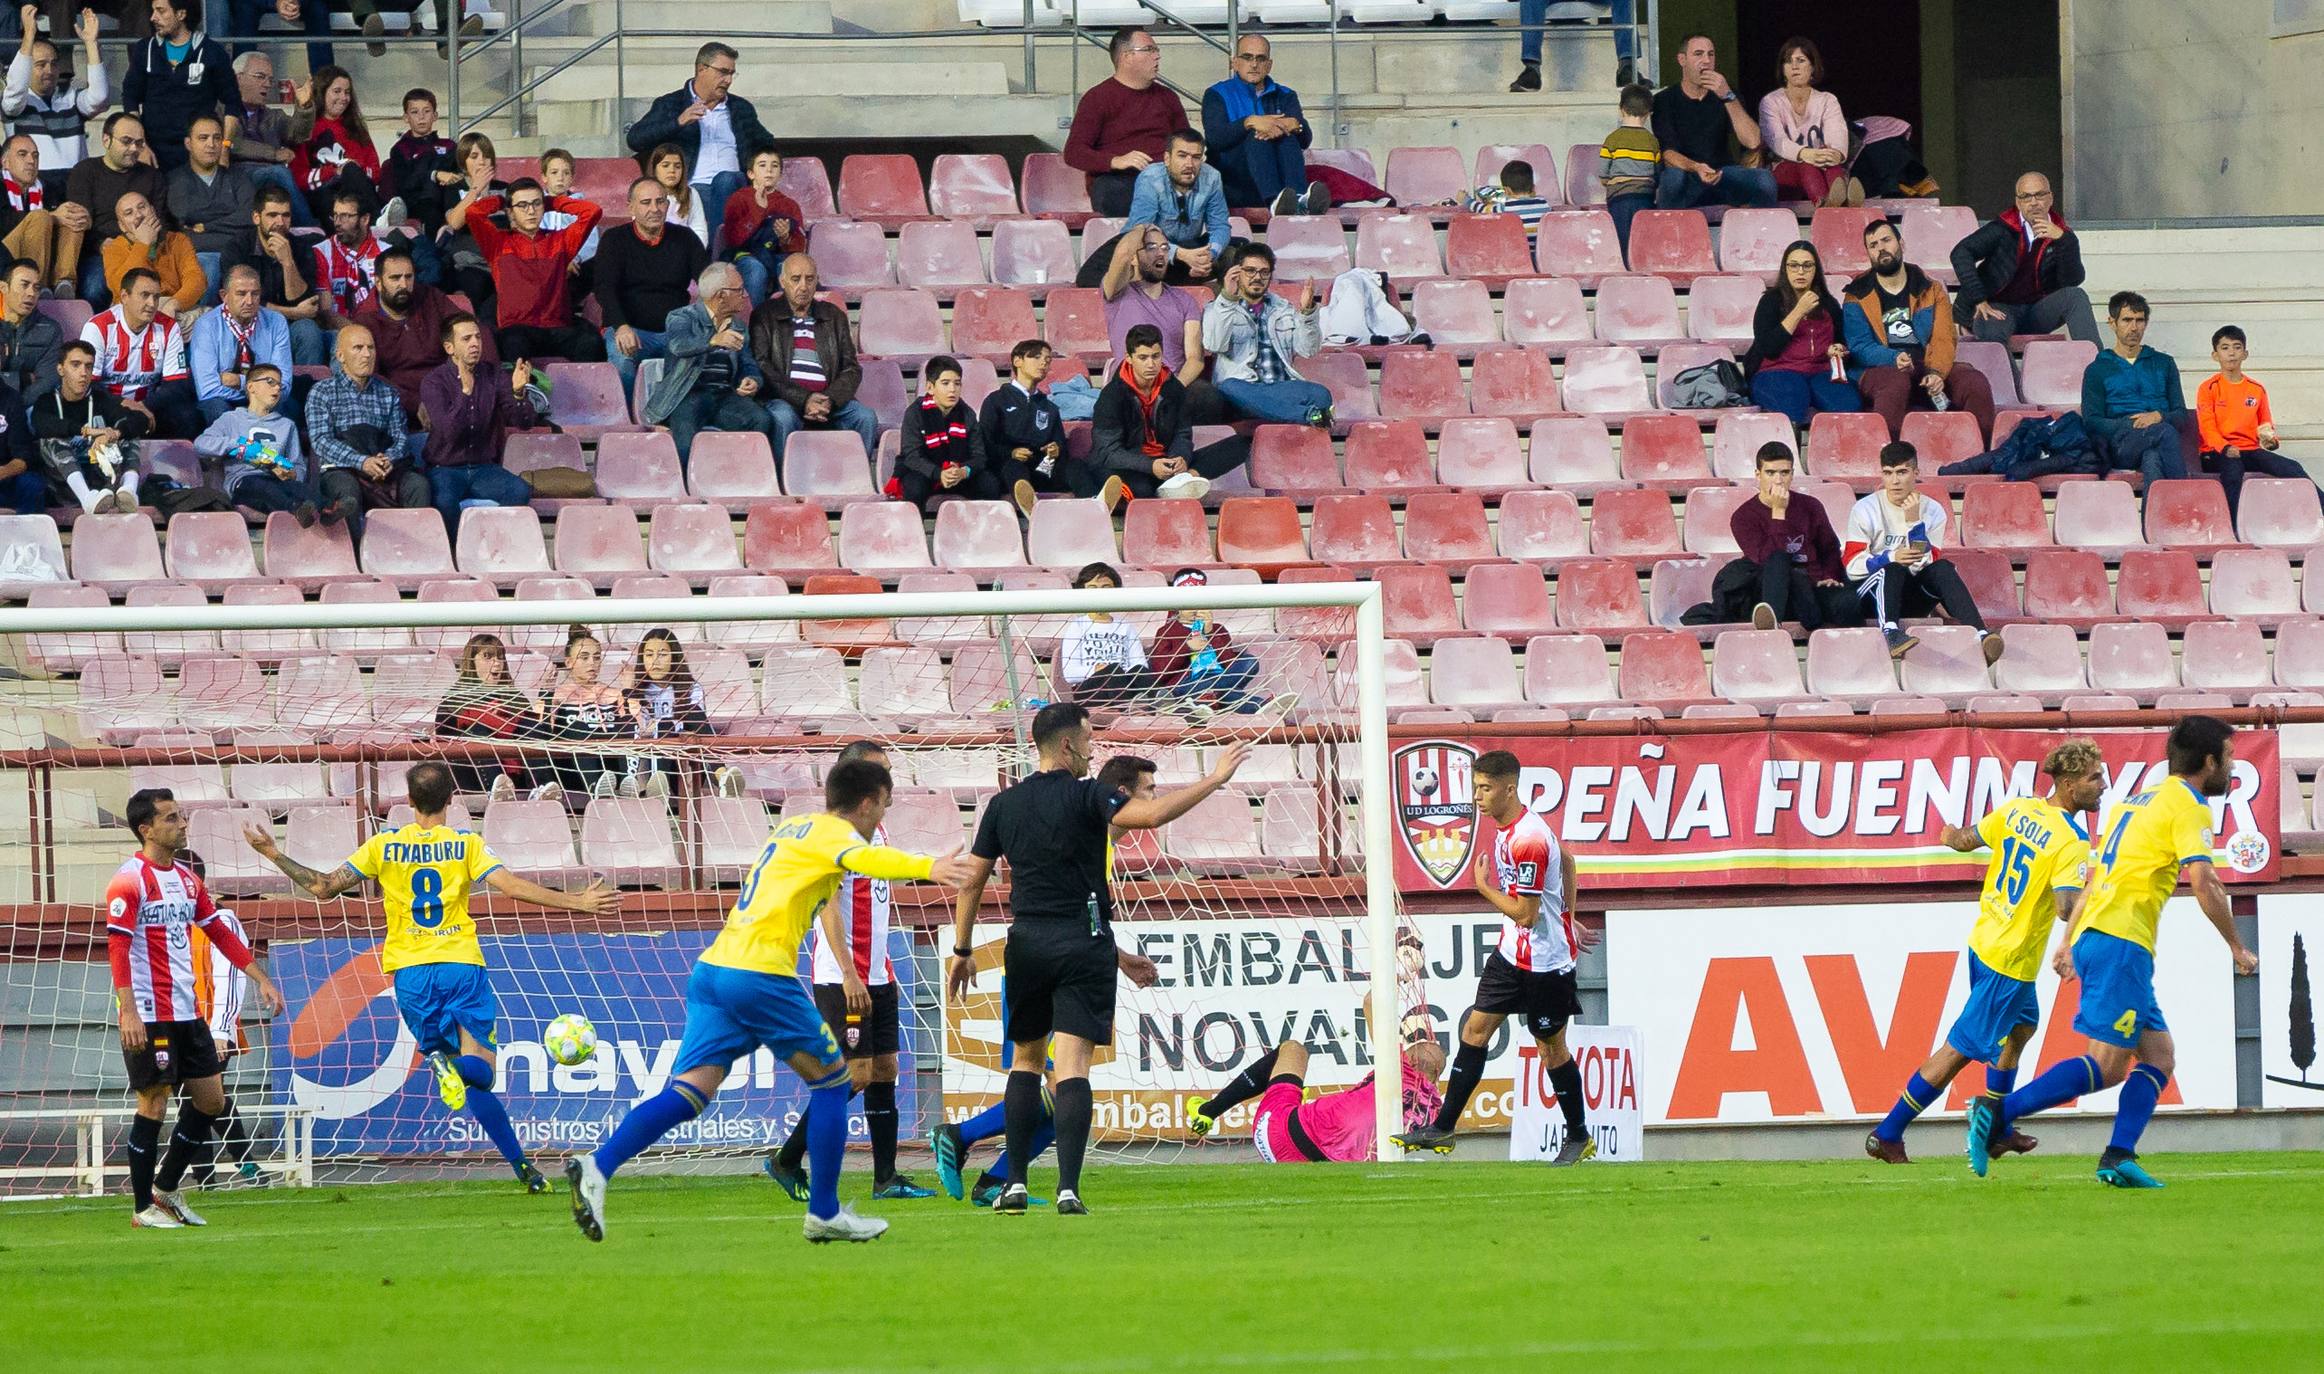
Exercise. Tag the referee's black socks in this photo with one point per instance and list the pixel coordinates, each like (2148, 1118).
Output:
(1468, 1067)
(1073, 1112)
(1021, 1119)
(188, 1144)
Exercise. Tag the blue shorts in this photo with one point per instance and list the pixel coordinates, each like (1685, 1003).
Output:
(1998, 1004)
(731, 1012)
(438, 1001)
(2118, 989)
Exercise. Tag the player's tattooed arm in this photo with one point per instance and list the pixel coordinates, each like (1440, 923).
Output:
(2211, 896)
(1961, 841)
(320, 886)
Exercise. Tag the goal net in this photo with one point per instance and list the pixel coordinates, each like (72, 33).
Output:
(652, 743)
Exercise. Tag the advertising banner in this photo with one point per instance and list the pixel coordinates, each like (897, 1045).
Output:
(2291, 965)
(1610, 1088)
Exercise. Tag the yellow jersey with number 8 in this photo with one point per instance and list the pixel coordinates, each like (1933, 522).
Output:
(425, 874)
(2148, 840)
(2040, 858)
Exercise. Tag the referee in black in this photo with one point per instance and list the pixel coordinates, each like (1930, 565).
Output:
(1059, 969)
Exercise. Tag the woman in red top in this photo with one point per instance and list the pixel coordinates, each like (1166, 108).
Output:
(762, 227)
(331, 147)
(1797, 362)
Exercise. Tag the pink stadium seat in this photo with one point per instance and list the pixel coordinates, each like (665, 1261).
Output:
(881, 186)
(639, 468)
(1941, 436)
(1930, 231)
(309, 557)
(1403, 246)
(1633, 523)
(1308, 246)
(827, 466)
(1074, 321)
(210, 547)
(586, 399)
(850, 256)
(1419, 385)
(1219, 836)
(940, 629)
(2098, 515)
(1542, 525)
(988, 321)
(1838, 234)
(1567, 670)
(1675, 359)
(2004, 515)
(1638, 310)
(971, 186)
(806, 681)
(1455, 312)
(533, 837)
(1258, 531)
(1482, 246)
(1051, 187)
(788, 536)
(1517, 383)
(547, 639)
(2159, 582)
(38, 534)
(905, 681)
(123, 696)
(1033, 252)
(2280, 511)
(1582, 186)
(71, 316)
(1480, 454)
(2051, 373)
(504, 543)
(1719, 309)
(1735, 444)
(1293, 459)
(1671, 243)
(1354, 161)
(750, 635)
(2253, 582)
(2299, 654)
(979, 676)
(322, 693)
(1069, 533)
(1391, 455)
(67, 651)
(1096, 231)
(882, 538)
(237, 871)
(1474, 671)
(1753, 666)
(1991, 581)
(1853, 664)
(1606, 380)
(168, 645)
(2042, 660)
(1992, 359)
(1573, 452)
(2131, 658)
(1709, 515)
(1664, 448)
(1546, 311)
(1675, 585)
(448, 639)
(1426, 176)
(1492, 157)
(805, 180)
(1509, 599)
(1752, 240)
(1579, 244)
(1598, 594)
(1948, 663)
(1357, 530)
(1417, 599)
(1846, 446)
(532, 450)
(594, 542)
(939, 255)
(1400, 665)
(735, 468)
(1662, 666)
(2187, 511)
(2225, 655)
(1349, 381)
(978, 535)
(220, 691)
(120, 549)
(406, 689)
(1448, 528)
(1166, 534)
(902, 324)
(2067, 585)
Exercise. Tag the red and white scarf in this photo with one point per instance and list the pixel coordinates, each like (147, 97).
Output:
(23, 198)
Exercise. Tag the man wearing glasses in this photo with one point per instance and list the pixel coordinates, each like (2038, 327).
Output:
(716, 130)
(1258, 137)
(1255, 335)
(710, 380)
(2022, 272)
(531, 268)
(1123, 123)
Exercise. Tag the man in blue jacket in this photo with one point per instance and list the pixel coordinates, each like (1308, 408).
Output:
(2131, 400)
(716, 130)
(175, 75)
(1258, 137)
(1182, 196)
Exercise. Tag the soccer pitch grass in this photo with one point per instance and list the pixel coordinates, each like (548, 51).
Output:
(1427, 1265)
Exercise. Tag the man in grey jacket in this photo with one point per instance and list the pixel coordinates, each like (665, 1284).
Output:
(1253, 336)
(211, 200)
(709, 379)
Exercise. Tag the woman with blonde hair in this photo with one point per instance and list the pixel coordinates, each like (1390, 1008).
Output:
(486, 703)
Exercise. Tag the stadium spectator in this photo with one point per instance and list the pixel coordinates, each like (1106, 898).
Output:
(1257, 337)
(96, 184)
(714, 130)
(1101, 657)
(2021, 272)
(1696, 121)
(87, 438)
(1512, 194)
(43, 106)
(2131, 401)
(1180, 196)
(1021, 430)
(1895, 557)
(263, 147)
(1630, 162)
(1122, 124)
(806, 352)
(141, 357)
(467, 269)
(346, 272)
(1795, 342)
(709, 379)
(687, 209)
(2232, 416)
(422, 168)
(761, 227)
(1898, 326)
(211, 199)
(355, 428)
(29, 340)
(48, 239)
(1533, 16)
(282, 284)
(670, 706)
(332, 153)
(486, 703)
(1141, 431)
(406, 319)
(230, 340)
(558, 169)
(1193, 660)
(23, 478)
(943, 452)
(313, 17)
(265, 470)
(1791, 567)
(1803, 130)
(644, 270)
(467, 407)
(147, 241)
(174, 75)
(1137, 291)
(1257, 136)
(531, 270)
(585, 709)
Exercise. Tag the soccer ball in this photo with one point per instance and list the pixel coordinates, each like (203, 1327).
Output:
(1424, 782)
(570, 1039)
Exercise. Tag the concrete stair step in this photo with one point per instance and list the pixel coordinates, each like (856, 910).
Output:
(842, 79)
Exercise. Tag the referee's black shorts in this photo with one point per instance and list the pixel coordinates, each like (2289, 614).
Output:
(1058, 979)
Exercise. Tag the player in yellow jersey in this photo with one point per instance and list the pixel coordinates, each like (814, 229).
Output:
(2040, 854)
(426, 872)
(745, 993)
(2151, 840)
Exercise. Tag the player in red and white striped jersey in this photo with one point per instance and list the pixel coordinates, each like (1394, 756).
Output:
(1529, 879)
(870, 1034)
(152, 908)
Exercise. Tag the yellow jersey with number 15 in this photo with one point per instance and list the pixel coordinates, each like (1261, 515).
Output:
(795, 875)
(2040, 857)
(425, 874)
(2148, 840)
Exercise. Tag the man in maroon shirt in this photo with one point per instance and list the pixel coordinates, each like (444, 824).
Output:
(406, 320)
(1123, 123)
(1790, 568)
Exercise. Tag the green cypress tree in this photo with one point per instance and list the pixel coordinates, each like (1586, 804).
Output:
(2303, 1015)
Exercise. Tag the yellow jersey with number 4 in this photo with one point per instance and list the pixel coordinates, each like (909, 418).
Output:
(795, 875)
(425, 874)
(2040, 859)
(2148, 840)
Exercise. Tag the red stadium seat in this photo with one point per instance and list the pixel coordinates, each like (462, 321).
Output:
(1579, 244)
(735, 468)
(1598, 594)
(1662, 666)
(639, 467)
(901, 324)
(593, 542)
(1637, 310)
(1853, 664)
(1992, 359)
(1051, 187)
(1674, 360)
(2098, 515)
(1478, 671)
(1845, 446)
(1838, 234)
(2133, 658)
(1033, 252)
(2004, 515)
(1487, 246)
(1948, 663)
(693, 539)
(1582, 186)
(1991, 581)
(1492, 157)
(971, 186)
(1930, 231)
(1349, 381)
(1542, 525)
(2253, 582)
(1480, 454)
(1752, 240)
(2280, 511)
(881, 186)
(1509, 599)
(882, 537)
(1166, 534)
(806, 181)
(1709, 519)
(849, 255)
(1671, 243)
(1719, 309)
(1607, 379)
(1664, 448)
(792, 537)
(1740, 435)
(2187, 512)
(1426, 176)
(2067, 585)
(1356, 530)
(1456, 313)
(1517, 383)
(978, 536)
(2225, 655)
(2041, 660)
(1753, 666)
(1257, 531)
(1546, 311)
(2154, 583)
(939, 254)
(1941, 436)
(1390, 455)
(1074, 321)
(1448, 528)
(1417, 599)
(2051, 374)
(988, 321)
(1308, 247)
(1572, 451)
(1293, 459)
(1419, 386)
(1403, 246)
